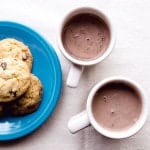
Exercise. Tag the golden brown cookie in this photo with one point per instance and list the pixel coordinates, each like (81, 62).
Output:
(14, 78)
(30, 101)
(13, 48)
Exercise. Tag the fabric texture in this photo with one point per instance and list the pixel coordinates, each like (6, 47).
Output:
(130, 58)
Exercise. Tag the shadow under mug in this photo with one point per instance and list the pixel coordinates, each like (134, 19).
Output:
(78, 65)
(87, 118)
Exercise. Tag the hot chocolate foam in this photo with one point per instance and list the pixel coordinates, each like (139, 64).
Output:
(85, 36)
(116, 106)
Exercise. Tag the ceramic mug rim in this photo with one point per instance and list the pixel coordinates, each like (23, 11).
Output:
(124, 133)
(93, 11)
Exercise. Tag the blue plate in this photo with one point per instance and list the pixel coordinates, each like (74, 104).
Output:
(46, 67)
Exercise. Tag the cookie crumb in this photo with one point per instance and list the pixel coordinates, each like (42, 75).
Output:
(103, 38)
(112, 111)
(105, 99)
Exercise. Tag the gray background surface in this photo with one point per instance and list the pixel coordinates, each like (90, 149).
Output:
(130, 58)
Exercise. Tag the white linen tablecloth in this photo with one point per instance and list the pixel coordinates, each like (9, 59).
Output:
(130, 58)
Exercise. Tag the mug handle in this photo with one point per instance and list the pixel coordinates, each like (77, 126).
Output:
(78, 122)
(74, 75)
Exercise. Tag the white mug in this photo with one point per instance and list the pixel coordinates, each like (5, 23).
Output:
(77, 66)
(86, 117)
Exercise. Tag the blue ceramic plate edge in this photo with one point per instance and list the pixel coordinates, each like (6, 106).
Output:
(17, 135)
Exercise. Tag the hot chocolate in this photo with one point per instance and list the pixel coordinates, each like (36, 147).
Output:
(116, 106)
(85, 36)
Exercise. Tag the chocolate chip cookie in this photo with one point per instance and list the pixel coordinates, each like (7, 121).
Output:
(30, 101)
(13, 48)
(14, 78)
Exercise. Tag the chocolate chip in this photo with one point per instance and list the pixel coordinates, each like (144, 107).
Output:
(24, 56)
(4, 65)
(13, 93)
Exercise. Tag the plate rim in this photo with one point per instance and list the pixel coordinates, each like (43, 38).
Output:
(57, 94)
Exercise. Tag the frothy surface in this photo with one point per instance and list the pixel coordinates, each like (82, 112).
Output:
(116, 106)
(85, 37)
